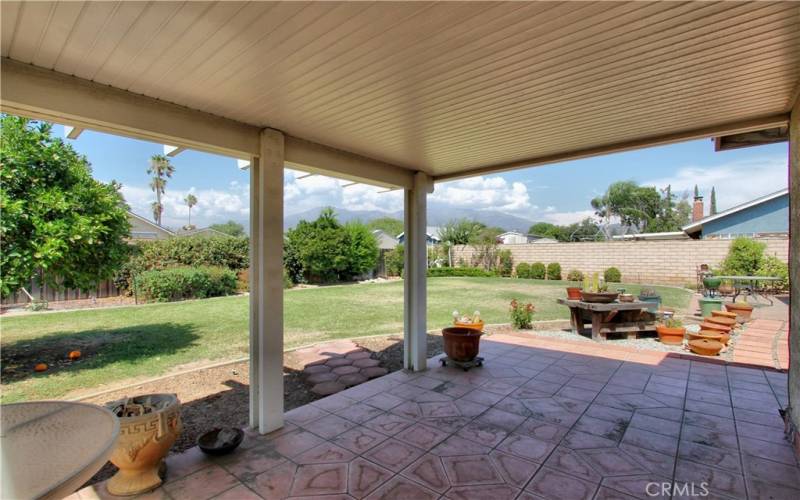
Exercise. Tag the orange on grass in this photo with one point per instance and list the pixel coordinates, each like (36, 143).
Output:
(40, 367)
(73, 355)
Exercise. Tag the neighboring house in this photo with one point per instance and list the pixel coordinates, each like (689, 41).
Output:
(432, 233)
(385, 241)
(205, 232)
(514, 238)
(765, 216)
(670, 235)
(144, 229)
(538, 240)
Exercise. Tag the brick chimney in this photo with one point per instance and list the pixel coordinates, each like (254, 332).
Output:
(697, 209)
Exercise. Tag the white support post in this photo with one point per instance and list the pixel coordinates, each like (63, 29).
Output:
(415, 283)
(266, 299)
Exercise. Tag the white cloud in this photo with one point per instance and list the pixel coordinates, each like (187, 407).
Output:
(736, 182)
(213, 205)
(488, 193)
(566, 218)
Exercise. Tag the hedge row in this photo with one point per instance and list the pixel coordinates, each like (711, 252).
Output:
(178, 283)
(476, 272)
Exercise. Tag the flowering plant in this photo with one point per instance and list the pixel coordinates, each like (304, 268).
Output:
(521, 314)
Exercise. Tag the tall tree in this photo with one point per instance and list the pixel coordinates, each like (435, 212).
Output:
(696, 192)
(460, 231)
(713, 209)
(231, 227)
(161, 169)
(634, 205)
(190, 200)
(59, 224)
(388, 225)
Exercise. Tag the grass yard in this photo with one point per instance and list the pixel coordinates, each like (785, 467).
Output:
(149, 340)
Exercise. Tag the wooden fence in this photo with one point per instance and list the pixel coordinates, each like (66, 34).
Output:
(103, 290)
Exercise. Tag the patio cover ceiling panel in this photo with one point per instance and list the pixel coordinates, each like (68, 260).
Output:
(447, 88)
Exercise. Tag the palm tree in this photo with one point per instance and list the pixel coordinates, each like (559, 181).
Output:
(160, 169)
(191, 200)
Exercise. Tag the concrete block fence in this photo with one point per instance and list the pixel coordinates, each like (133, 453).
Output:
(668, 262)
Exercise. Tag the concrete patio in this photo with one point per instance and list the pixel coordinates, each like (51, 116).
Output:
(535, 422)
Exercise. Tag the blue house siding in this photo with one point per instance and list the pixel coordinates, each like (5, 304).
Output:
(768, 217)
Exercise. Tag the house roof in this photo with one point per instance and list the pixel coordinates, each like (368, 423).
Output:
(450, 89)
(698, 225)
(201, 230)
(433, 232)
(667, 235)
(150, 223)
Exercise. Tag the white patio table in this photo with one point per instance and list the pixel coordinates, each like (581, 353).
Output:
(50, 448)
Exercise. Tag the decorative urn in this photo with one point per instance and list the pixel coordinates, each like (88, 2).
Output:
(149, 426)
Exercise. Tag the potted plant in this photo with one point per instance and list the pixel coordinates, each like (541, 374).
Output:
(473, 322)
(742, 310)
(596, 291)
(671, 331)
(574, 290)
(649, 294)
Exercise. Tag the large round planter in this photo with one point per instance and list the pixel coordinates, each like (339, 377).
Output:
(599, 297)
(723, 314)
(715, 326)
(743, 311)
(654, 302)
(711, 283)
(573, 293)
(705, 347)
(461, 344)
(143, 443)
(708, 304)
(670, 336)
(731, 322)
(706, 334)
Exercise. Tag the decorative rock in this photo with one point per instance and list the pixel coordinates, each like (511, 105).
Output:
(366, 363)
(318, 378)
(360, 354)
(352, 379)
(375, 371)
(327, 388)
(334, 362)
(345, 370)
(310, 370)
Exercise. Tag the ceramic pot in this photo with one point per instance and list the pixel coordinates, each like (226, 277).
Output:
(472, 326)
(706, 334)
(670, 336)
(711, 283)
(461, 344)
(726, 290)
(715, 326)
(143, 443)
(705, 347)
(654, 301)
(573, 293)
(723, 314)
(721, 321)
(709, 304)
(742, 310)
(599, 297)
(626, 297)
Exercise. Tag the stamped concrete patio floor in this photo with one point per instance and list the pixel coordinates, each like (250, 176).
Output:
(533, 422)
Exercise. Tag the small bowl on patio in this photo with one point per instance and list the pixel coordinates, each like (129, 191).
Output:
(626, 297)
(220, 441)
(599, 297)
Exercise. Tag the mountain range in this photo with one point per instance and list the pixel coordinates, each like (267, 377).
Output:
(438, 215)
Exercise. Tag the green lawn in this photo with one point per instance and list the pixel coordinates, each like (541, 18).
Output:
(149, 340)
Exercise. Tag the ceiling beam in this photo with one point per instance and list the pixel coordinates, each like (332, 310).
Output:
(72, 132)
(173, 151)
(761, 123)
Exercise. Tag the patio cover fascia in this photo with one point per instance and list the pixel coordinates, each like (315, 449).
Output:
(29, 91)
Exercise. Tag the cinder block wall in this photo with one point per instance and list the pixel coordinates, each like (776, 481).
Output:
(654, 262)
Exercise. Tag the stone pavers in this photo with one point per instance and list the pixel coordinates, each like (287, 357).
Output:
(763, 342)
(332, 367)
(541, 419)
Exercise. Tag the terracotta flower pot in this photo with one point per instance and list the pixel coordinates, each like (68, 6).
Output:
(461, 344)
(706, 325)
(706, 334)
(143, 443)
(705, 347)
(724, 314)
(599, 297)
(573, 293)
(742, 310)
(670, 336)
(719, 320)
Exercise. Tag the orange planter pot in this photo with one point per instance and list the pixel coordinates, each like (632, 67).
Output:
(706, 334)
(724, 314)
(743, 311)
(472, 326)
(721, 321)
(573, 293)
(705, 347)
(706, 325)
(670, 336)
(461, 344)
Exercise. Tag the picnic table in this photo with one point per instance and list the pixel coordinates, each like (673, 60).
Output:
(629, 318)
(749, 284)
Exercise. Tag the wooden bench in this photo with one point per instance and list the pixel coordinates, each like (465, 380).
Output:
(629, 318)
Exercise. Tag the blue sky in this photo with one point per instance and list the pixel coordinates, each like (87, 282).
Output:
(558, 193)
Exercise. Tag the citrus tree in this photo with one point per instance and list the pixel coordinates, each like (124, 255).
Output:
(58, 224)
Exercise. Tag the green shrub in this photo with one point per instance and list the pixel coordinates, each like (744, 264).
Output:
(773, 266)
(476, 272)
(538, 271)
(287, 282)
(554, 271)
(506, 260)
(745, 257)
(612, 275)
(523, 270)
(178, 283)
(395, 261)
(521, 315)
(574, 275)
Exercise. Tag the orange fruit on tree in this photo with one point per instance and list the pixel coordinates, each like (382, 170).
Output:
(40, 367)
